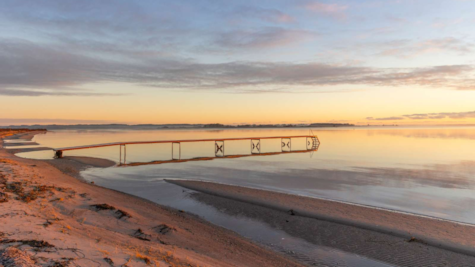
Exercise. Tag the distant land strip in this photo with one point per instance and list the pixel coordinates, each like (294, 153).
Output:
(173, 126)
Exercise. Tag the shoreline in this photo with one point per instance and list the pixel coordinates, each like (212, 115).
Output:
(370, 244)
(443, 234)
(54, 218)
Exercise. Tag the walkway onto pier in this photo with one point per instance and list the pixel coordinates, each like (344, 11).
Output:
(312, 144)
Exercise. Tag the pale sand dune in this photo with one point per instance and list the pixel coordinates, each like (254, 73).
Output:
(48, 216)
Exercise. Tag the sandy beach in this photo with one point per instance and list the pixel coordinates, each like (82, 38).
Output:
(52, 216)
(49, 218)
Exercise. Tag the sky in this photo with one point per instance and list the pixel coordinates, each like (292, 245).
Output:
(405, 62)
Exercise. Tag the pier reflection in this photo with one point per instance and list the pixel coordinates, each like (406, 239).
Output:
(213, 158)
(227, 148)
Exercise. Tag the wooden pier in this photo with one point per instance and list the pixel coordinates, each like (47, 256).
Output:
(312, 143)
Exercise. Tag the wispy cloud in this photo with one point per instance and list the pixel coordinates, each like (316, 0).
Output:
(57, 49)
(266, 14)
(439, 76)
(261, 38)
(402, 50)
(408, 49)
(442, 115)
(54, 92)
(441, 23)
(429, 116)
(31, 69)
(336, 11)
(470, 85)
(385, 119)
(397, 19)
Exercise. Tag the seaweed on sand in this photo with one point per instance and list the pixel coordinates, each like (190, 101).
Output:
(3, 197)
(163, 229)
(109, 260)
(104, 206)
(141, 235)
(122, 214)
(118, 213)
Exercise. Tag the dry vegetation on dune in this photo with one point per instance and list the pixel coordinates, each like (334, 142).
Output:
(51, 219)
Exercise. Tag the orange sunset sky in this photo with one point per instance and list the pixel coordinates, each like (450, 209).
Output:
(235, 62)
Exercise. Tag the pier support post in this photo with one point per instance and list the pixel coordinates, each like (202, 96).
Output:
(255, 146)
(219, 148)
(120, 155)
(286, 144)
(58, 154)
(179, 150)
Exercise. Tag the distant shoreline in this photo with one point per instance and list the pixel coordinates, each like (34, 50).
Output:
(208, 126)
(174, 126)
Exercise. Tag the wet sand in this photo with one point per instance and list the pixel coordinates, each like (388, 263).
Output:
(49, 217)
(74, 165)
(393, 237)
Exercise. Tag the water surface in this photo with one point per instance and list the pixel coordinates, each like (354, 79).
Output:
(428, 171)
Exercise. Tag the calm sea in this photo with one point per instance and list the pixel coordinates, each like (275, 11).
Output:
(428, 171)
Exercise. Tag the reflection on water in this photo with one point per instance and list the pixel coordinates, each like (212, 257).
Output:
(428, 171)
(447, 133)
(233, 149)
